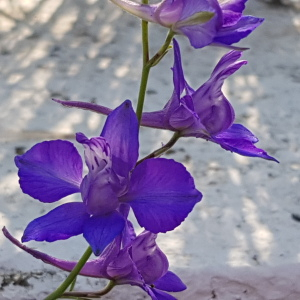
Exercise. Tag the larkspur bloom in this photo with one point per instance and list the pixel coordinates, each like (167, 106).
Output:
(160, 192)
(203, 113)
(140, 263)
(206, 113)
(204, 22)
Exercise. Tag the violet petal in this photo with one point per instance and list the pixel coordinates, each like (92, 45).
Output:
(170, 282)
(151, 262)
(98, 194)
(240, 140)
(233, 5)
(121, 132)
(156, 294)
(214, 110)
(162, 193)
(233, 34)
(178, 75)
(99, 231)
(59, 224)
(122, 268)
(50, 170)
(85, 105)
(201, 35)
(232, 11)
(92, 268)
(145, 12)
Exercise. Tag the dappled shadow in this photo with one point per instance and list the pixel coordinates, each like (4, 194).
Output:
(89, 50)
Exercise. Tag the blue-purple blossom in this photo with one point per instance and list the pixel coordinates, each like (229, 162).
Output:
(206, 113)
(204, 22)
(140, 262)
(161, 192)
(203, 113)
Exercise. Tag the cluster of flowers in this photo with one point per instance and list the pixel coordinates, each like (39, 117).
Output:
(160, 192)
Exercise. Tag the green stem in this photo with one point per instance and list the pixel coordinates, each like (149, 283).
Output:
(148, 64)
(162, 51)
(71, 277)
(163, 149)
(146, 69)
(145, 39)
(142, 92)
(75, 298)
(73, 284)
(103, 292)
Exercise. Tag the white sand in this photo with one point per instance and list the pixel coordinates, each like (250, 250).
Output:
(241, 241)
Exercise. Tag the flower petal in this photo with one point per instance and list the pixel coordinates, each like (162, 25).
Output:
(162, 193)
(123, 270)
(214, 110)
(233, 5)
(170, 282)
(92, 268)
(142, 11)
(98, 194)
(155, 119)
(202, 34)
(128, 234)
(85, 105)
(232, 11)
(240, 140)
(233, 34)
(97, 152)
(121, 132)
(156, 294)
(59, 224)
(151, 262)
(50, 170)
(178, 75)
(99, 231)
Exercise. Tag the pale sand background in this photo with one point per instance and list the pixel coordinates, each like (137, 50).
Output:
(241, 242)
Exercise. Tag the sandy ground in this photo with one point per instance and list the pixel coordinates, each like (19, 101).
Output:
(242, 241)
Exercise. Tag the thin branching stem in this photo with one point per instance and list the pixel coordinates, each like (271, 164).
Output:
(103, 292)
(71, 277)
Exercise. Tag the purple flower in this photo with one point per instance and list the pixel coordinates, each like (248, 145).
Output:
(205, 112)
(204, 22)
(202, 113)
(161, 192)
(140, 263)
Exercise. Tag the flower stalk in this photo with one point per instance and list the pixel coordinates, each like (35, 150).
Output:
(71, 277)
(103, 292)
(162, 149)
(149, 63)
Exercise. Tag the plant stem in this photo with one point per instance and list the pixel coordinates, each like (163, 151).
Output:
(148, 64)
(142, 92)
(71, 277)
(107, 289)
(73, 284)
(145, 39)
(145, 70)
(163, 149)
(75, 298)
(162, 51)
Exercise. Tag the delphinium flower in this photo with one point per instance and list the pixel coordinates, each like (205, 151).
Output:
(206, 113)
(203, 113)
(139, 262)
(160, 191)
(204, 22)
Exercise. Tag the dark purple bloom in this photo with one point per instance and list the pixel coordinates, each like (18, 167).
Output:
(52, 170)
(140, 263)
(203, 113)
(204, 22)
